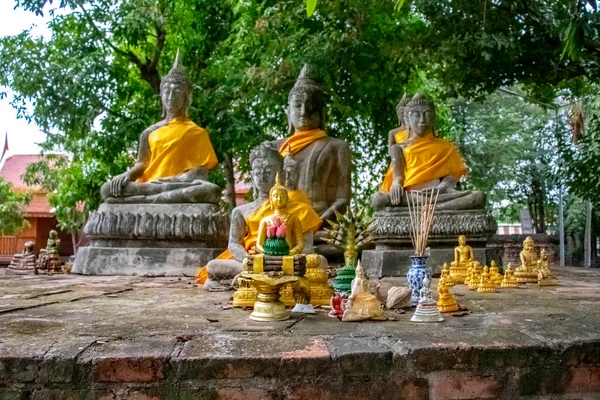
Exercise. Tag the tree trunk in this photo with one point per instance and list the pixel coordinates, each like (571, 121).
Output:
(230, 177)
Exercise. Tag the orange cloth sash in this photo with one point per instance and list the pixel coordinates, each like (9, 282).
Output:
(388, 179)
(300, 140)
(298, 204)
(177, 147)
(430, 158)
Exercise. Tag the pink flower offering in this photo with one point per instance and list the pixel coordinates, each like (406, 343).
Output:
(271, 230)
(280, 231)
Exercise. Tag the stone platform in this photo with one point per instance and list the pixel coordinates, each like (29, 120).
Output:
(129, 337)
(152, 239)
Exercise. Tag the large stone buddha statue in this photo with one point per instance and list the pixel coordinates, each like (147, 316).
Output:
(425, 161)
(325, 162)
(174, 155)
(161, 217)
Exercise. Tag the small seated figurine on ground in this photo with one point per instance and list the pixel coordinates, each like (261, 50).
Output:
(24, 263)
(528, 270)
(495, 275)
(49, 260)
(509, 281)
(475, 275)
(545, 277)
(446, 301)
(463, 256)
(485, 284)
(450, 281)
(427, 309)
(362, 305)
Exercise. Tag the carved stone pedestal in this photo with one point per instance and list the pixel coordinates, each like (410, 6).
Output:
(393, 246)
(152, 239)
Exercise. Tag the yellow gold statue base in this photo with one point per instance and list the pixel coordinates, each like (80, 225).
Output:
(447, 304)
(526, 277)
(514, 284)
(458, 275)
(548, 282)
(486, 288)
(268, 306)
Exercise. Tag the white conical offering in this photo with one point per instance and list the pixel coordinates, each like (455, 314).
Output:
(427, 310)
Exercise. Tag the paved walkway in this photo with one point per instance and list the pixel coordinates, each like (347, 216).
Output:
(68, 336)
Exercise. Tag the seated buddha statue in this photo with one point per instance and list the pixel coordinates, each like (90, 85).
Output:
(528, 270)
(545, 276)
(463, 256)
(324, 161)
(174, 155)
(24, 262)
(362, 304)
(428, 162)
(266, 163)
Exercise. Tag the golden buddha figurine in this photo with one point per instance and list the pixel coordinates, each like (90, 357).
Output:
(281, 232)
(463, 256)
(446, 301)
(509, 281)
(545, 277)
(475, 275)
(362, 304)
(485, 284)
(469, 275)
(449, 280)
(527, 271)
(495, 275)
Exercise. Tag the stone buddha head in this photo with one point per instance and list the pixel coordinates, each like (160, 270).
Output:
(291, 172)
(176, 91)
(419, 115)
(266, 163)
(306, 103)
(400, 109)
(278, 195)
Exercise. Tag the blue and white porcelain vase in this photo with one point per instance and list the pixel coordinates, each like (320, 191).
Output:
(416, 273)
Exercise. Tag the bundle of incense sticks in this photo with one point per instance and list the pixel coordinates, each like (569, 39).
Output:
(421, 206)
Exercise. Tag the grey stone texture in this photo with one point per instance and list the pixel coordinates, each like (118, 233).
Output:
(79, 337)
(152, 239)
(393, 246)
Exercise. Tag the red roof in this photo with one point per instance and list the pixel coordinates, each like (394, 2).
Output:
(241, 186)
(12, 170)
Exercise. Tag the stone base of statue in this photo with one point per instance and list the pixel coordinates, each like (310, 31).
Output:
(152, 239)
(393, 246)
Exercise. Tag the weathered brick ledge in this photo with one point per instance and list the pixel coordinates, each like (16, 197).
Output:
(69, 337)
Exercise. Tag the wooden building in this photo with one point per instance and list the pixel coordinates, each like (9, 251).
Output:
(38, 213)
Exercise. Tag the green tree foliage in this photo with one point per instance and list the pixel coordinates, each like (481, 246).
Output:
(510, 147)
(11, 209)
(93, 85)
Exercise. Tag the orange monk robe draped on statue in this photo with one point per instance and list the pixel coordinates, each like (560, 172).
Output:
(430, 158)
(388, 179)
(298, 204)
(300, 140)
(177, 147)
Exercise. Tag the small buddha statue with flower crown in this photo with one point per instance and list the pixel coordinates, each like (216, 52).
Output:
(280, 234)
(509, 281)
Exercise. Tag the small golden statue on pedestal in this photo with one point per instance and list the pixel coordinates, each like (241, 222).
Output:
(449, 280)
(495, 275)
(280, 239)
(362, 305)
(545, 277)
(485, 284)
(463, 256)
(446, 301)
(476, 273)
(509, 280)
(527, 272)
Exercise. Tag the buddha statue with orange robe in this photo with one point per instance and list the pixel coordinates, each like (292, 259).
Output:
(174, 155)
(266, 163)
(324, 162)
(425, 162)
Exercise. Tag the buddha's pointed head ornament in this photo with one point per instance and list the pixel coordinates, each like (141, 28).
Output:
(176, 88)
(306, 102)
(401, 107)
(278, 194)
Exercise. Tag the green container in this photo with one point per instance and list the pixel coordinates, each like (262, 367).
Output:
(276, 247)
(342, 283)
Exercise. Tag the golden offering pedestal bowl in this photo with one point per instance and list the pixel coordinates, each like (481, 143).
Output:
(268, 306)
